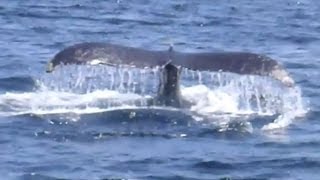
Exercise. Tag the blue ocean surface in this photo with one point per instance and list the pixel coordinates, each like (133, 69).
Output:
(83, 122)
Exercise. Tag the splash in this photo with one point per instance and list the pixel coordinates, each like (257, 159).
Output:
(42, 102)
(217, 97)
(226, 96)
(84, 89)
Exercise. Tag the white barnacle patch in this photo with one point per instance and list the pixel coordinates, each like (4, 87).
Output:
(96, 62)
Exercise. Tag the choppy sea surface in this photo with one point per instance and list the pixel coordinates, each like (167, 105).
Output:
(83, 122)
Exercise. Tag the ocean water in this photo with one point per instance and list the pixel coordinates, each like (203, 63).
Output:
(92, 122)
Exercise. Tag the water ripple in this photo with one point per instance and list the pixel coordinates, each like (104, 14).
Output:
(52, 135)
(17, 84)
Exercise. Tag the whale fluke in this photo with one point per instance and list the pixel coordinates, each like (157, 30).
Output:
(170, 62)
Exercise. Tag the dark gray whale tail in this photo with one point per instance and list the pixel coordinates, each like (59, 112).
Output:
(170, 63)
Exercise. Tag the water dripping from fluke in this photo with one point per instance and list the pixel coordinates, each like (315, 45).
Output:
(212, 96)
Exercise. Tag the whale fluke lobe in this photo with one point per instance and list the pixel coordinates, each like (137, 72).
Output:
(108, 54)
(234, 62)
(170, 61)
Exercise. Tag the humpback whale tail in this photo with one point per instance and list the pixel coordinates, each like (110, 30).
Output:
(170, 61)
